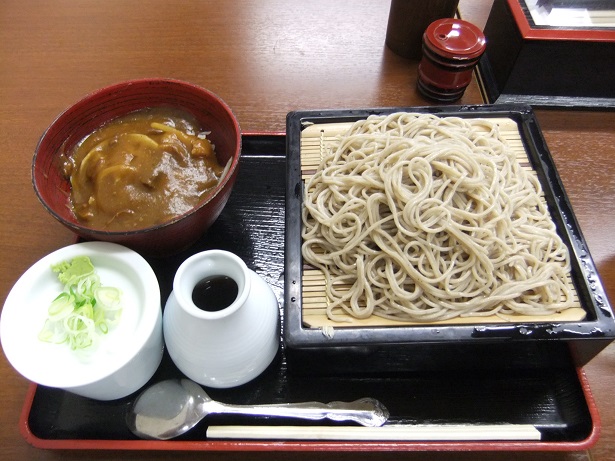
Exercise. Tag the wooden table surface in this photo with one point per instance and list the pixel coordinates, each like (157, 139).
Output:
(264, 58)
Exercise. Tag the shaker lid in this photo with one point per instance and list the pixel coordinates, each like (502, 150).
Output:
(455, 38)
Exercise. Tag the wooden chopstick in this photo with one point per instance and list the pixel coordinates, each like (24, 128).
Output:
(427, 432)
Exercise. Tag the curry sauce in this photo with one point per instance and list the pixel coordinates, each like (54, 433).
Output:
(141, 170)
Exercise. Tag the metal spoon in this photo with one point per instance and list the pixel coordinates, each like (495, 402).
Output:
(170, 408)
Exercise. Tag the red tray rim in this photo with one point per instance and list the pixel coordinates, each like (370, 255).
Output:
(297, 446)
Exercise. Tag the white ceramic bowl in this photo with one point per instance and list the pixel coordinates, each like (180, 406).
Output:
(125, 358)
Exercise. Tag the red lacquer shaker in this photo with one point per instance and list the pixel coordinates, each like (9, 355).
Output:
(451, 50)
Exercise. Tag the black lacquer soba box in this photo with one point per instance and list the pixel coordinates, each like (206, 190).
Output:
(320, 346)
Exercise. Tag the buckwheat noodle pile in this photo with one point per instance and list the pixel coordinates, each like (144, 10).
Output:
(419, 218)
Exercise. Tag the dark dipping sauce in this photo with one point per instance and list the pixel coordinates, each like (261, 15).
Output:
(212, 294)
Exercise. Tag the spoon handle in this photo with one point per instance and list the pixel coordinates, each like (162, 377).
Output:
(366, 411)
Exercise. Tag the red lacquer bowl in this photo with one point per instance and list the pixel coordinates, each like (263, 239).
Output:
(53, 189)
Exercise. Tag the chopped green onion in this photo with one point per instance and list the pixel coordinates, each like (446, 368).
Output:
(84, 309)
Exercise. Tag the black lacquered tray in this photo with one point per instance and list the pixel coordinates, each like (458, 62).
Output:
(556, 400)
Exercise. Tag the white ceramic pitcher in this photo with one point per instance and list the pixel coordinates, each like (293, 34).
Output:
(230, 346)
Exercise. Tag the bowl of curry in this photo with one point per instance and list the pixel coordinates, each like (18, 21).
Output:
(147, 163)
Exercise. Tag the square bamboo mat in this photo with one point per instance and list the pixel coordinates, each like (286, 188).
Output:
(318, 139)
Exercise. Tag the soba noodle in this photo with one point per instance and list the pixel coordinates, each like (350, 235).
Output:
(420, 218)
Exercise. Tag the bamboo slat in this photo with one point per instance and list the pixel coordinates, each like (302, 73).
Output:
(316, 140)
